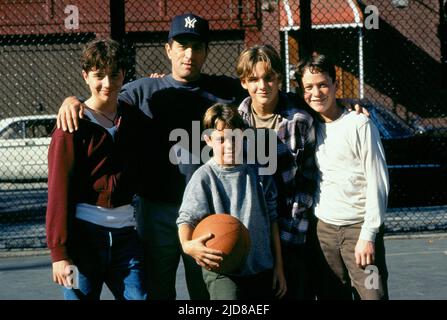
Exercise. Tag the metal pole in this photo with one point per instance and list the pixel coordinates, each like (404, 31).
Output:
(306, 46)
(361, 69)
(117, 20)
(443, 37)
(286, 53)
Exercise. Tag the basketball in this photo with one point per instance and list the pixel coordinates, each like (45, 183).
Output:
(230, 236)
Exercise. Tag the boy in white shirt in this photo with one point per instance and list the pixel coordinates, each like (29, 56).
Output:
(352, 190)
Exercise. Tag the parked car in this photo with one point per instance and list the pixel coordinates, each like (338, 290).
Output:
(416, 155)
(416, 158)
(24, 145)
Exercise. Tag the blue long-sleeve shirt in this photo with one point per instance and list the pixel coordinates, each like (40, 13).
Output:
(175, 105)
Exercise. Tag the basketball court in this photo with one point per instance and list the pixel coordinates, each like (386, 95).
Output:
(416, 265)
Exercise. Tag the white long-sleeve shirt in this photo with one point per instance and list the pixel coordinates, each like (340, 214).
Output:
(353, 177)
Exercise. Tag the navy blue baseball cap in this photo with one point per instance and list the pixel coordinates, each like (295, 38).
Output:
(189, 24)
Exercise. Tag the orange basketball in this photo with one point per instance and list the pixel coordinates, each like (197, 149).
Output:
(230, 236)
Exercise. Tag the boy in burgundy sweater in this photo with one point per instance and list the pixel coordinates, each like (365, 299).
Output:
(92, 179)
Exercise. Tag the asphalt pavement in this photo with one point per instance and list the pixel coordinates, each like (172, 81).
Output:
(416, 264)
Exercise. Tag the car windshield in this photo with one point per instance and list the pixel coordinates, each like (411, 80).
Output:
(28, 129)
(389, 125)
(13, 131)
(40, 128)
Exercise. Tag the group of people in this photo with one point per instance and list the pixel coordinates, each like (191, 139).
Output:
(316, 223)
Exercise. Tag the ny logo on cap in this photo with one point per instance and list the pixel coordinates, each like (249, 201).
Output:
(189, 23)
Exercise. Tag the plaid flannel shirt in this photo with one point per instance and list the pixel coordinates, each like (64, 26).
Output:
(296, 172)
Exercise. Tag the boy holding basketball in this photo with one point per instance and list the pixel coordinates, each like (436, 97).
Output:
(224, 185)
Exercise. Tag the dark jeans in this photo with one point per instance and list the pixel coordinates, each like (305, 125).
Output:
(297, 265)
(162, 251)
(106, 255)
(226, 287)
(300, 266)
(340, 277)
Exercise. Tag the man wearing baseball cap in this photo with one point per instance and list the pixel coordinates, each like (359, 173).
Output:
(187, 46)
(189, 24)
(175, 101)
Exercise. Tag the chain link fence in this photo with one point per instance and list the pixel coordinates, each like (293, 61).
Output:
(391, 56)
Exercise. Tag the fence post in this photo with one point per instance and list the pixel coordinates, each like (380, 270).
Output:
(118, 33)
(117, 20)
(443, 38)
(305, 40)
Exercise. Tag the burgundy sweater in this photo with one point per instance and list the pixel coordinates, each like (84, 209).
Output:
(88, 166)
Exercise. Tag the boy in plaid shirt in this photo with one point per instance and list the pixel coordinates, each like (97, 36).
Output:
(260, 70)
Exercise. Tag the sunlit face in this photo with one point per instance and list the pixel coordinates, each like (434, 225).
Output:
(187, 55)
(319, 93)
(226, 148)
(263, 87)
(104, 85)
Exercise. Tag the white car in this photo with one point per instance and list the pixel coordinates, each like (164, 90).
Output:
(24, 145)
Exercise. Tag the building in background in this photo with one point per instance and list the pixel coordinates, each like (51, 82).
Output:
(401, 65)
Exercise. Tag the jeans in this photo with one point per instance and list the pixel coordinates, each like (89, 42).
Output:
(296, 262)
(106, 255)
(162, 251)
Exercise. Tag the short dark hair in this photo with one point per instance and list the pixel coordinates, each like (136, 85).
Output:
(103, 54)
(316, 63)
(226, 113)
